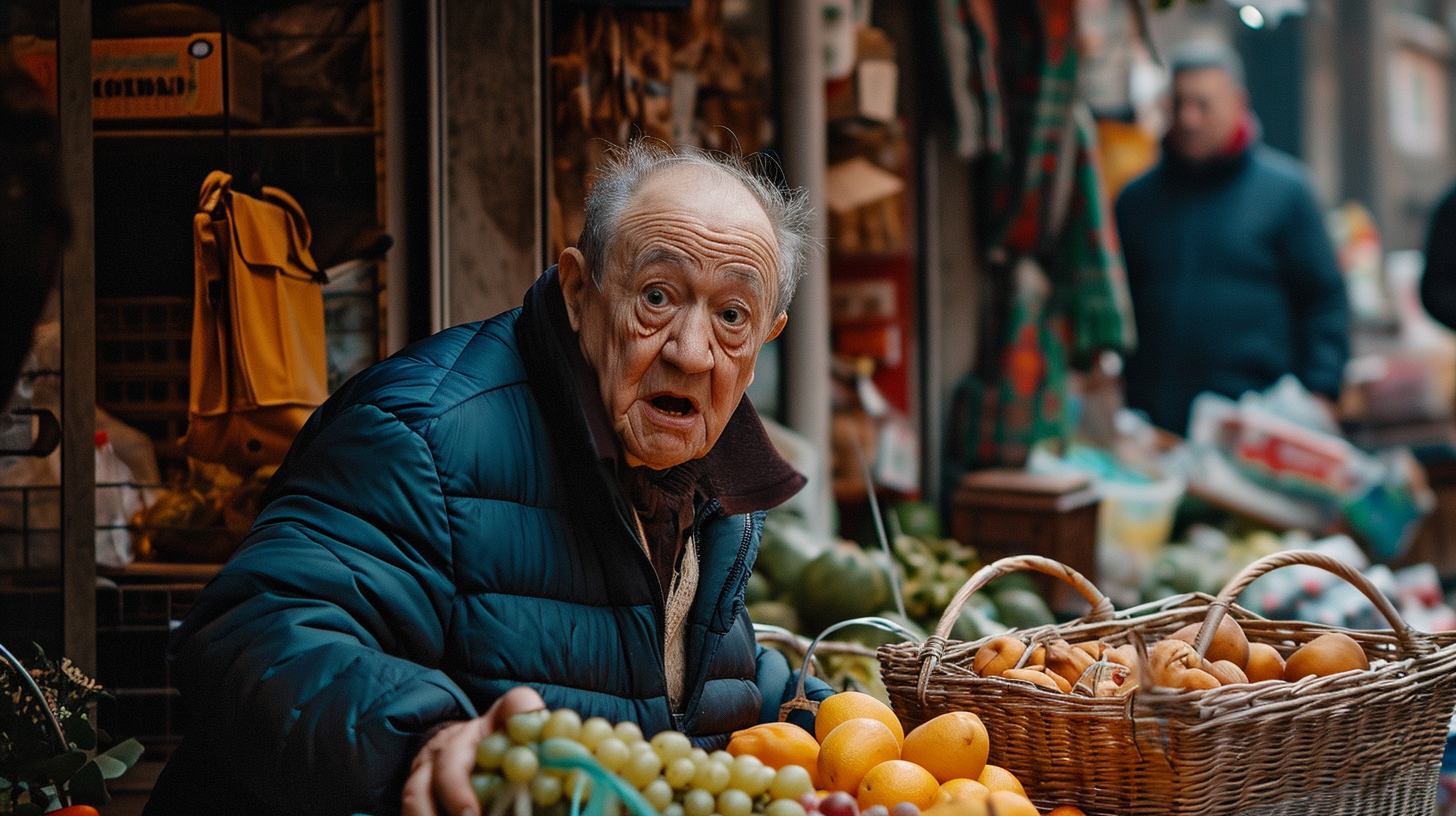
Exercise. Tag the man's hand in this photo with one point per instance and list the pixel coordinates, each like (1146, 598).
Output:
(440, 775)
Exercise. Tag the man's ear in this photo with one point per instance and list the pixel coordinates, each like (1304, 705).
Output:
(571, 266)
(778, 326)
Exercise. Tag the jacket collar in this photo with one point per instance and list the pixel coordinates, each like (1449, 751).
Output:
(743, 471)
(1242, 142)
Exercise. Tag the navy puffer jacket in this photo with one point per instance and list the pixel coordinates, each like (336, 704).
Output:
(441, 532)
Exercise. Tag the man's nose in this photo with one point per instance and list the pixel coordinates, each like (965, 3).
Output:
(690, 348)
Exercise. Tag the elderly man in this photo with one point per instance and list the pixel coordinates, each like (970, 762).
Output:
(1233, 279)
(566, 497)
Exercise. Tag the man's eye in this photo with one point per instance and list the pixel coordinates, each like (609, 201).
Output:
(732, 316)
(656, 297)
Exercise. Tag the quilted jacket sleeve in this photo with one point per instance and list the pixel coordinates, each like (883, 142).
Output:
(308, 659)
(778, 685)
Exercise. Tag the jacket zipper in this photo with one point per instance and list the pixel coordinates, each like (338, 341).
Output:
(710, 508)
(659, 603)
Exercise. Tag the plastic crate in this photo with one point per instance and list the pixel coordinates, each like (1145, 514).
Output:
(143, 349)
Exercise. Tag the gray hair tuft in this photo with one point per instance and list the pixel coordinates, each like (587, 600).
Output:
(627, 169)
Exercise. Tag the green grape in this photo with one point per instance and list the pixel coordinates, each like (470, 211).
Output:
(721, 756)
(712, 777)
(679, 772)
(563, 723)
(784, 807)
(642, 768)
(526, 728)
(673, 809)
(613, 754)
(671, 744)
(698, 803)
(546, 790)
(747, 775)
(593, 731)
(790, 782)
(734, 802)
(576, 778)
(486, 787)
(641, 747)
(628, 732)
(765, 778)
(520, 764)
(658, 794)
(491, 750)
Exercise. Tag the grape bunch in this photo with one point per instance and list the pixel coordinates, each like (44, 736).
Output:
(675, 778)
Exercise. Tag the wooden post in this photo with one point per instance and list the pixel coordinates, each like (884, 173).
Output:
(78, 339)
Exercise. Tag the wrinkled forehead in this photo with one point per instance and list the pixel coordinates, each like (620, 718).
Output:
(706, 210)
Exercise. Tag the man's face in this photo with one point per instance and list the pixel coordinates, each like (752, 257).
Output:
(1207, 107)
(685, 304)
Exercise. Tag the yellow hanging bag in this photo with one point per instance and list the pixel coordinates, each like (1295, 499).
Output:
(258, 357)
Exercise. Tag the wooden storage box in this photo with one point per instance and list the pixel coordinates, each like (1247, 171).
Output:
(1012, 512)
(160, 78)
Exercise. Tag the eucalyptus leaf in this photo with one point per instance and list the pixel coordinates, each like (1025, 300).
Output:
(80, 733)
(110, 768)
(4, 783)
(88, 787)
(127, 752)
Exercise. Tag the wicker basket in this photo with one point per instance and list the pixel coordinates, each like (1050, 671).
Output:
(1353, 743)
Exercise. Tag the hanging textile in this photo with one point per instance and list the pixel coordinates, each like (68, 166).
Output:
(1053, 286)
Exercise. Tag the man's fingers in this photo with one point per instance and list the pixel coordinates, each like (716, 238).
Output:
(417, 799)
(516, 701)
(453, 762)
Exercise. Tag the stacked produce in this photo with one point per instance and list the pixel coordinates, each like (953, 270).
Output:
(859, 762)
(1096, 669)
(805, 583)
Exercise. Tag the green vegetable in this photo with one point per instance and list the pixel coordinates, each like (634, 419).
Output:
(841, 584)
(1022, 609)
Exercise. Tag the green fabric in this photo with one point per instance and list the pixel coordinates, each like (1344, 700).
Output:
(440, 533)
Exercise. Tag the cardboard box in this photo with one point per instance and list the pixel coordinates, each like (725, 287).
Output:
(160, 78)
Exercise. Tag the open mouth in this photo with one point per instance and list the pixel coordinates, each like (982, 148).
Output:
(673, 406)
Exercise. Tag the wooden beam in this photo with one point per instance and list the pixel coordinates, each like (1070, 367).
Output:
(78, 338)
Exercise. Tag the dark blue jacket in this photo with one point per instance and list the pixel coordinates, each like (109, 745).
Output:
(1234, 282)
(442, 531)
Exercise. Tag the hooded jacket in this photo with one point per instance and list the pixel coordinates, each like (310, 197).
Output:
(1233, 278)
(443, 530)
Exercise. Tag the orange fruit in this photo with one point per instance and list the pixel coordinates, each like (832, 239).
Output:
(851, 750)
(1006, 803)
(1229, 642)
(1326, 655)
(956, 788)
(951, 746)
(1264, 663)
(1068, 810)
(997, 778)
(853, 705)
(890, 783)
(777, 745)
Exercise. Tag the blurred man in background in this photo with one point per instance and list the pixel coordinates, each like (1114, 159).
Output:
(1233, 278)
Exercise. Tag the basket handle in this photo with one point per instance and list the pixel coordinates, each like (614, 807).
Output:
(1220, 605)
(934, 648)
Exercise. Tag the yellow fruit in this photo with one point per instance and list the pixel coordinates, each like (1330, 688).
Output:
(852, 705)
(973, 805)
(1066, 810)
(951, 746)
(777, 745)
(998, 655)
(997, 778)
(956, 788)
(1229, 642)
(1225, 672)
(1324, 656)
(1264, 663)
(1006, 803)
(890, 783)
(851, 750)
(1030, 675)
